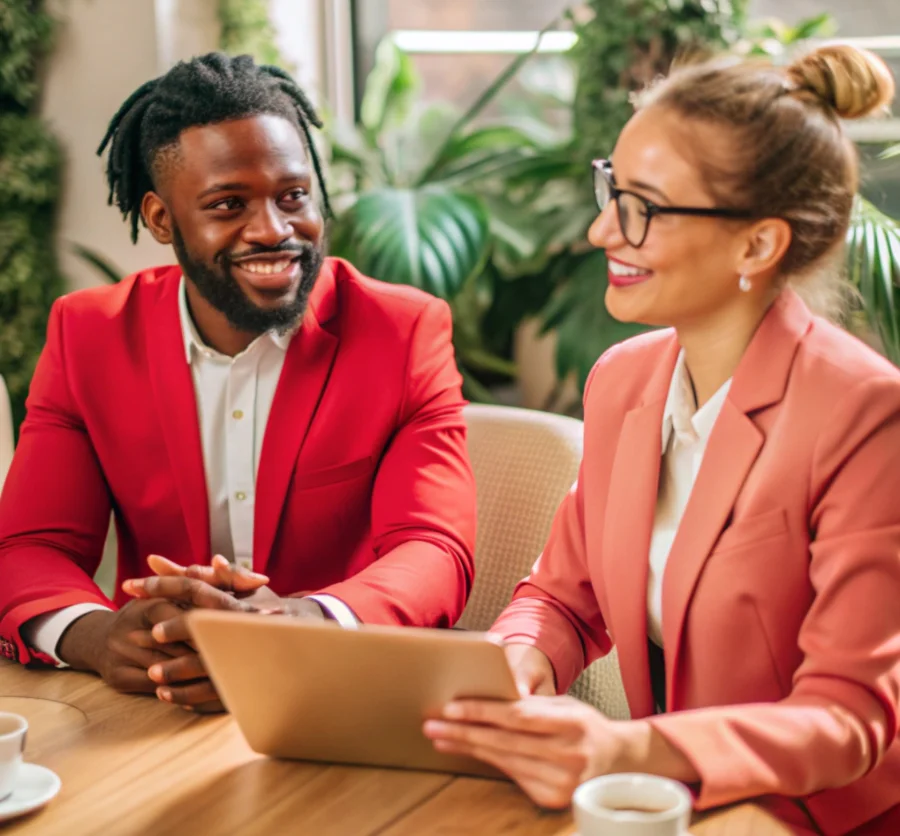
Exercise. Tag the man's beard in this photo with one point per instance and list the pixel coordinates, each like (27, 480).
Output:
(218, 286)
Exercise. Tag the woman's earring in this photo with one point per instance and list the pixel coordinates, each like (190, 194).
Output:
(745, 284)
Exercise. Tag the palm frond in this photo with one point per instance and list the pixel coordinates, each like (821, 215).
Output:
(873, 267)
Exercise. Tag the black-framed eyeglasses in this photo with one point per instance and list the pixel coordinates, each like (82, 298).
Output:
(635, 212)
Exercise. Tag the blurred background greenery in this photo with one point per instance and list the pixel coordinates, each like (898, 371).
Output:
(490, 208)
(480, 196)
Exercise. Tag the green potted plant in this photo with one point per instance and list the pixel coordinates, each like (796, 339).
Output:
(30, 170)
(622, 46)
(415, 194)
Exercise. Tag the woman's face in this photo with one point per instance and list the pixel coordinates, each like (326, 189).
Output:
(688, 268)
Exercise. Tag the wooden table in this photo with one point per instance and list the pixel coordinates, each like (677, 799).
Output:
(134, 765)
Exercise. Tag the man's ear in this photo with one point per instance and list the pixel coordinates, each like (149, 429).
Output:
(157, 217)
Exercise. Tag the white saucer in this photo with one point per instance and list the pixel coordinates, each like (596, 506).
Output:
(35, 786)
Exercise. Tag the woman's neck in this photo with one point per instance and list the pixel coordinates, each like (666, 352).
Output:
(714, 347)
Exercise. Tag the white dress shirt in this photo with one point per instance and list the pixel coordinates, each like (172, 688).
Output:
(234, 397)
(685, 432)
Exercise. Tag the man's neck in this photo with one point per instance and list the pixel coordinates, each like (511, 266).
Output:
(213, 326)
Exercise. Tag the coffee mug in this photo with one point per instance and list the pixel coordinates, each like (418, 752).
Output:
(13, 730)
(632, 804)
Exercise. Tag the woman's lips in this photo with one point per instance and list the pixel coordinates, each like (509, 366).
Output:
(626, 275)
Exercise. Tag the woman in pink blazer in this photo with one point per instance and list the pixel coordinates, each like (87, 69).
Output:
(735, 528)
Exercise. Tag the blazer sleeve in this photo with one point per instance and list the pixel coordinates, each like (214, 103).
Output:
(842, 712)
(555, 608)
(55, 506)
(423, 500)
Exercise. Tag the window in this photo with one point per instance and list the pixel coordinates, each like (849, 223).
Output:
(460, 47)
(449, 70)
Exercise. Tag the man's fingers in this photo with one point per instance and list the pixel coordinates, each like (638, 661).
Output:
(220, 573)
(144, 639)
(130, 680)
(186, 590)
(173, 630)
(163, 566)
(214, 707)
(137, 656)
(183, 669)
(193, 694)
(235, 577)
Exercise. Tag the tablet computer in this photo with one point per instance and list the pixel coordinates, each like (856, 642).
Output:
(314, 691)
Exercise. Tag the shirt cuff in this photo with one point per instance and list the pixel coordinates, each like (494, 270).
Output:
(43, 632)
(336, 609)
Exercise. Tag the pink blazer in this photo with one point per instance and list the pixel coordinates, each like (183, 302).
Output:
(781, 598)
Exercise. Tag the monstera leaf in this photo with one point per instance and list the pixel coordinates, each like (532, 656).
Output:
(432, 238)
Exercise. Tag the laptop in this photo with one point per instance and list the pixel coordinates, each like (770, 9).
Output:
(314, 691)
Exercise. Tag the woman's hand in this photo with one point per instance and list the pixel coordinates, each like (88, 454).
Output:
(547, 745)
(531, 669)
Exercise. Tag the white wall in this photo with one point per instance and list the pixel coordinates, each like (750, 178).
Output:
(104, 50)
(298, 26)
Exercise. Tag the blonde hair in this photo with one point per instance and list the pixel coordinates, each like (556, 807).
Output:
(789, 157)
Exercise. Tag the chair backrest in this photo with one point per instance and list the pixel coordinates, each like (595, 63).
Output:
(525, 462)
(6, 433)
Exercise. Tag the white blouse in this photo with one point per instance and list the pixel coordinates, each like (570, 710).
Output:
(685, 432)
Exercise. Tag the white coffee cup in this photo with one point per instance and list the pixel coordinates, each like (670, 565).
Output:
(13, 731)
(632, 804)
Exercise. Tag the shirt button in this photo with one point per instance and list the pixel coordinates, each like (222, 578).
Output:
(237, 415)
(240, 496)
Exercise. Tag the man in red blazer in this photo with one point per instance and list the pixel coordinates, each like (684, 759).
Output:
(257, 401)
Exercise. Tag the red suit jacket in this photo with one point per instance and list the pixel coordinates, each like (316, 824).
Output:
(364, 489)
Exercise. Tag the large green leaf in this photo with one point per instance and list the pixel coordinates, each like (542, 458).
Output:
(390, 89)
(487, 96)
(873, 266)
(484, 144)
(432, 238)
(585, 329)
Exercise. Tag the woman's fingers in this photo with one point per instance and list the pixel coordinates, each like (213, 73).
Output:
(532, 670)
(547, 784)
(535, 715)
(499, 740)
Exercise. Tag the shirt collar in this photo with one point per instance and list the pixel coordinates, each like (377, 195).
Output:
(194, 343)
(681, 416)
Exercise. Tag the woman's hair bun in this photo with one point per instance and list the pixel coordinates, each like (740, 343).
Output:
(851, 81)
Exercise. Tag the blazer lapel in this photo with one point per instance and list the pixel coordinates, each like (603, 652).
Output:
(627, 529)
(176, 407)
(307, 366)
(734, 444)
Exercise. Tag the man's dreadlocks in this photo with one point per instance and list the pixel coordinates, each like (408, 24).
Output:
(206, 90)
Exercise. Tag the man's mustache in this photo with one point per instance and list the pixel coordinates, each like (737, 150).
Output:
(282, 249)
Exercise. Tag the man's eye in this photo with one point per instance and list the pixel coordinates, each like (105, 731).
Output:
(228, 203)
(296, 195)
